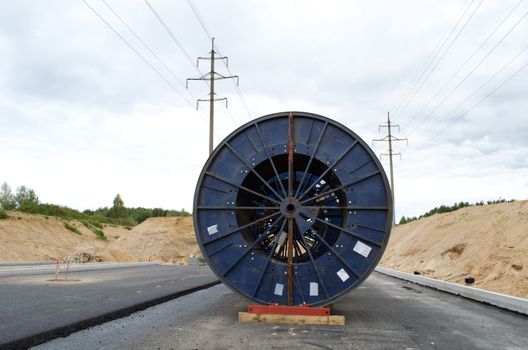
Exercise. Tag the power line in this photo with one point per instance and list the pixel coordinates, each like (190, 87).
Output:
(145, 44)
(486, 82)
(466, 62)
(441, 57)
(179, 44)
(174, 75)
(446, 51)
(167, 29)
(444, 54)
(476, 104)
(238, 90)
(199, 18)
(469, 74)
(433, 54)
(481, 100)
(137, 53)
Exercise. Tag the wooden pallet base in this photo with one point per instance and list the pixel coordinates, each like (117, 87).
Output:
(333, 320)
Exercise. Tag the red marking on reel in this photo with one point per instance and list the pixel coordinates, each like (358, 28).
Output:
(301, 310)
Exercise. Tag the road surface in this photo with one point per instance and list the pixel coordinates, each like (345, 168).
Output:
(34, 309)
(383, 313)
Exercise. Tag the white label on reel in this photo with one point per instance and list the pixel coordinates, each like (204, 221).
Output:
(279, 288)
(343, 275)
(362, 249)
(314, 289)
(212, 229)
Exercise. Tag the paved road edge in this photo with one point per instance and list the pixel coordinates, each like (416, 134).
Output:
(64, 331)
(504, 301)
(43, 269)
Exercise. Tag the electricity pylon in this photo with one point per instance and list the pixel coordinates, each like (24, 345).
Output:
(211, 76)
(390, 139)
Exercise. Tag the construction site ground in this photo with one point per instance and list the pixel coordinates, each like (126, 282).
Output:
(40, 309)
(383, 313)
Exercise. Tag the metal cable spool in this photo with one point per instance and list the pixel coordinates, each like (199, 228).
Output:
(292, 208)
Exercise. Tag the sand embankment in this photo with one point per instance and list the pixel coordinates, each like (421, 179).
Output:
(489, 243)
(27, 237)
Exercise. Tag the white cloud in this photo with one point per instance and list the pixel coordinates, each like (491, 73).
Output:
(82, 117)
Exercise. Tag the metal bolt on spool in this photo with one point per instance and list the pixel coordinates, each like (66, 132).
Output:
(292, 209)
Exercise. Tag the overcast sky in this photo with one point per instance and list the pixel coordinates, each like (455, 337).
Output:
(82, 117)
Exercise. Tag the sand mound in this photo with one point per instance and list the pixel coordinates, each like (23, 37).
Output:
(27, 237)
(169, 239)
(488, 242)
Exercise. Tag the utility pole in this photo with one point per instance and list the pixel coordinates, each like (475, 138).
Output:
(390, 139)
(210, 77)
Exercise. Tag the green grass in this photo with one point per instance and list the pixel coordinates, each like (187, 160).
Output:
(3, 214)
(95, 227)
(99, 233)
(87, 224)
(72, 228)
(97, 224)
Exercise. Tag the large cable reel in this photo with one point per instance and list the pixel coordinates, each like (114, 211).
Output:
(292, 208)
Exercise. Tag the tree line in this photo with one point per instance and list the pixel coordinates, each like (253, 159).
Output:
(449, 208)
(26, 200)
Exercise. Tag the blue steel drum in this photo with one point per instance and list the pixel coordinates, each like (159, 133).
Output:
(292, 208)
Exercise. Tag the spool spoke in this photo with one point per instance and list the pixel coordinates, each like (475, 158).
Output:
(343, 261)
(253, 171)
(257, 241)
(268, 258)
(353, 234)
(348, 208)
(241, 187)
(277, 177)
(241, 228)
(237, 208)
(314, 265)
(219, 250)
(370, 228)
(340, 187)
(311, 158)
(329, 168)
(361, 166)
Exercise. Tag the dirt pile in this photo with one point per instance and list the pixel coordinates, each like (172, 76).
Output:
(27, 237)
(169, 239)
(488, 242)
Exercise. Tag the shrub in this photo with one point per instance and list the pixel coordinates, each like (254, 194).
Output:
(95, 228)
(97, 224)
(72, 228)
(7, 198)
(87, 224)
(99, 233)
(3, 214)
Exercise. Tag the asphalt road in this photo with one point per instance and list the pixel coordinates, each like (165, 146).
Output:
(34, 309)
(383, 313)
(18, 269)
